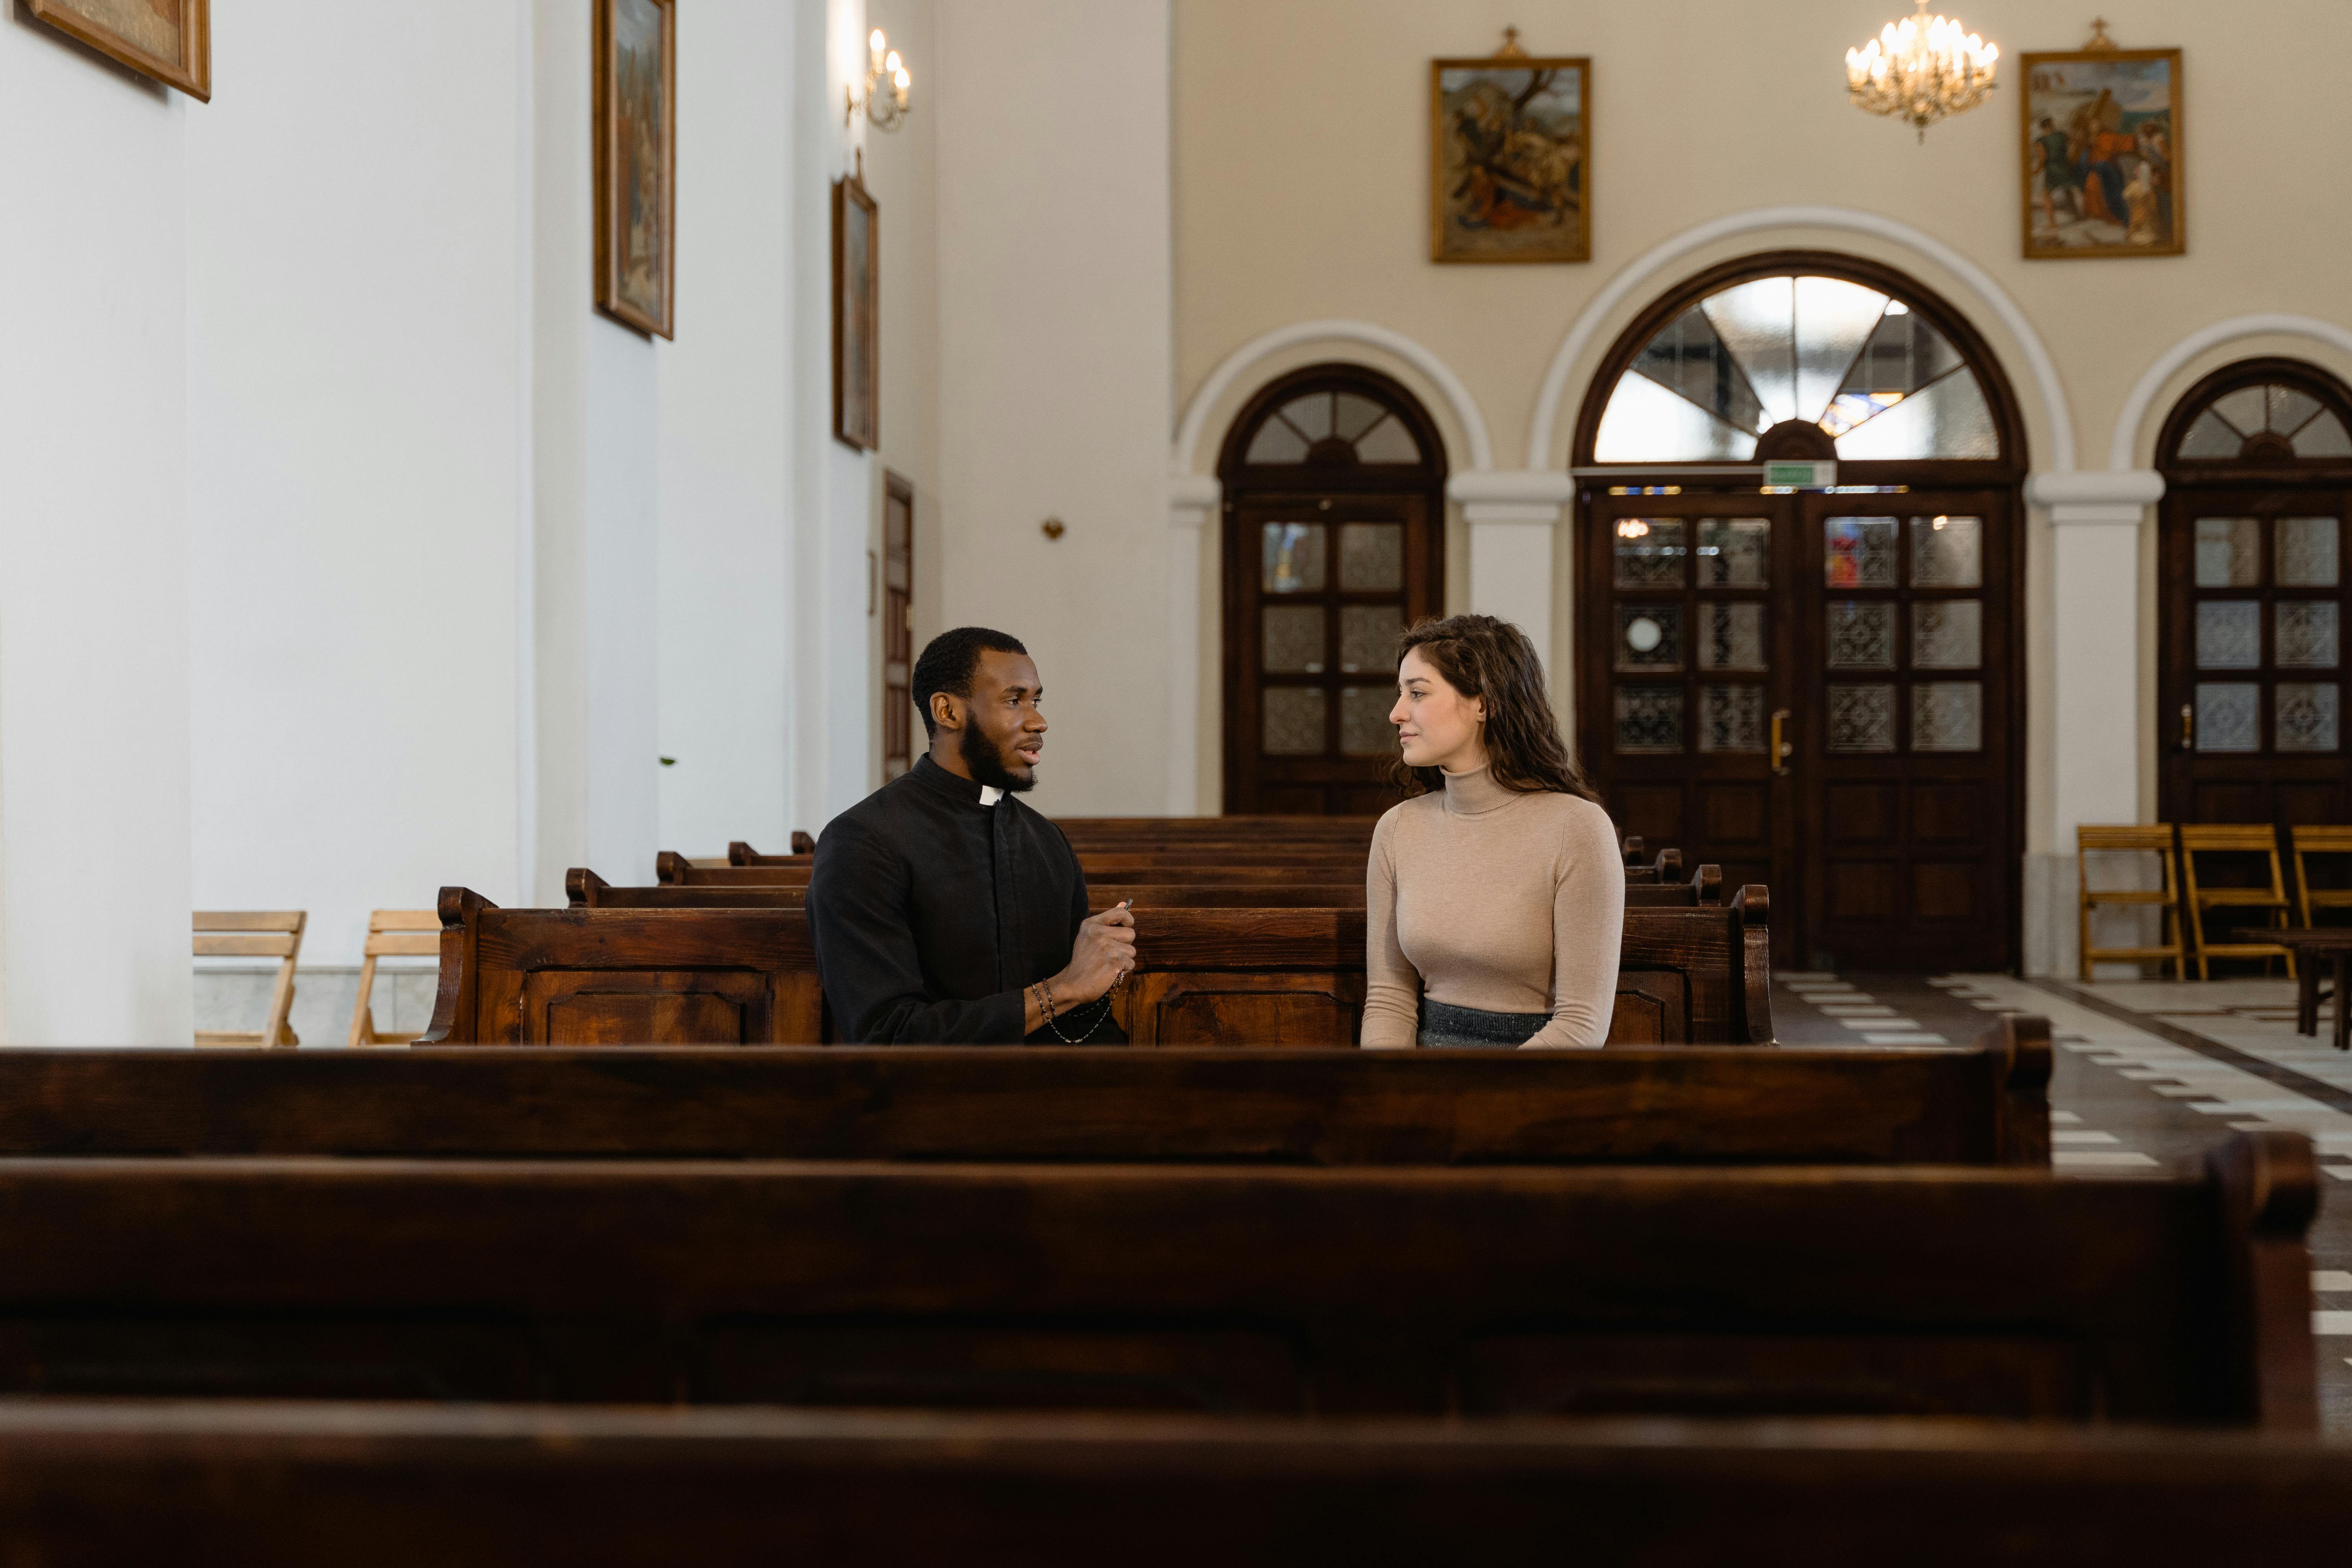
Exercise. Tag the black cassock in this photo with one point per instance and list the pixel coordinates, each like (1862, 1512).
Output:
(932, 912)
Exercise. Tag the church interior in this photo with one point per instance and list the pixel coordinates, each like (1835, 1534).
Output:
(466, 538)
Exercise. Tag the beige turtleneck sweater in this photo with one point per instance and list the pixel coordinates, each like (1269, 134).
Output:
(1485, 898)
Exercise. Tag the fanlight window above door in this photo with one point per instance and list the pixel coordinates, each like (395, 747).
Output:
(2267, 422)
(1873, 374)
(1332, 428)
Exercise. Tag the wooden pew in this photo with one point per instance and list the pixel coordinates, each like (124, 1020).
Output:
(1232, 1289)
(221, 1484)
(1250, 977)
(1984, 1104)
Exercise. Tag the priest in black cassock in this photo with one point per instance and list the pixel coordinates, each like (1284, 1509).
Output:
(946, 911)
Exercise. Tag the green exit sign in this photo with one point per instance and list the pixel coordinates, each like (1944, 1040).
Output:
(1800, 476)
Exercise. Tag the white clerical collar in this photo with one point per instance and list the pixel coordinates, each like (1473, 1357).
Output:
(989, 794)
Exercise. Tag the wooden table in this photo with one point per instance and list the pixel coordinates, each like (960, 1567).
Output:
(2315, 948)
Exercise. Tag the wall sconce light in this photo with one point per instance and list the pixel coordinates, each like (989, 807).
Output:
(886, 81)
(1051, 528)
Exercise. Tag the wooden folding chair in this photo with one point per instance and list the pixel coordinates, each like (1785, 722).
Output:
(2319, 841)
(392, 933)
(2156, 841)
(249, 933)
(2206, 839)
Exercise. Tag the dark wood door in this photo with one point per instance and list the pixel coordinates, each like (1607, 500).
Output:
(1316, 590)
(2249, 693)
(897, 626)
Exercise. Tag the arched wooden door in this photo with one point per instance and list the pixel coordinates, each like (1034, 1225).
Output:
(2253, 598)
(1335, 504)
(1819, 689)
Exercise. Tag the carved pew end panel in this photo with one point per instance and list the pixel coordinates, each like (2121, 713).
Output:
(1242, 1008)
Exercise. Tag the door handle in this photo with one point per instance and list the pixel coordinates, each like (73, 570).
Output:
(2188, 728)
(1780, 748)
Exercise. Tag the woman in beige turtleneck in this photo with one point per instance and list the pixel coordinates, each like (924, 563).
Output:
(1495, 899)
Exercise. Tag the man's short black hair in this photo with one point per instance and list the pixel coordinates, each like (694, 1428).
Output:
(947, 662)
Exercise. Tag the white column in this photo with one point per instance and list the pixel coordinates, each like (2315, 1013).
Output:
(1192, 503)
(1514, 518)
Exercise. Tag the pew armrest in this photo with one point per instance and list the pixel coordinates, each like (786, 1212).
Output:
(669, 867)
(2021, 1064)
(454, 1000)
(581, 887)
(2269, 1183)
(1707, 885)
(1751, 913)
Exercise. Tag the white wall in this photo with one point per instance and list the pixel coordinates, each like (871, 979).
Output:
(93, 570)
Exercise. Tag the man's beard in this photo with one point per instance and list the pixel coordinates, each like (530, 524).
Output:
(987, 763)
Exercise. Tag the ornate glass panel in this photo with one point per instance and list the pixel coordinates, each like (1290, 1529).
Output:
(1292, 431)
(1947, 418)
(1371, 557)
(1293, 639)
(1352, 414)
(1311, 413)
(2229, 716)
(1862, 634)
(1732, 718)
(1690, 360)
(1645, 423)
(2228, 552)
(2211, 437)
(1649, 637)
(2246, 408)
(1858, 552)
(1649, 551)
(1834, 319)
(2303, 553)
(1364, 727)
(2289, 409)
(1368, 637)
(1862, 719)
(1731, 637)
(2306, 716)
(2230, 633)
(1388, 442)
(1902, 355)
(1947, 634)
(2323, 438)
(1757, 321)
(2304, 633)
(1947, 553)
(1947, 716)
(1294, 557)
(1293, 720)
(1649, 719)
(1734, 552)
(1276, 442)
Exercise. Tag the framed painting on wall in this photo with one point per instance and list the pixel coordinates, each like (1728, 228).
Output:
(170, 40)
(2101, 152)
(1510, 148)
(857, 297)
(637, 162)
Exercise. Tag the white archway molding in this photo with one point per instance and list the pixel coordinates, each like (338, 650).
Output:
(2121, 447)
(1644, 274)
(1371, 334)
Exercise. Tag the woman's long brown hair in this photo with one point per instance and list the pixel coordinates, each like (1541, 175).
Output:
(1482, 657)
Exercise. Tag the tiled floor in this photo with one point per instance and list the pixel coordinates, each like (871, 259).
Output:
(2148, 1076)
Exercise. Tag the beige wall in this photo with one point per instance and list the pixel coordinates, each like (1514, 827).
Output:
(1301, 192)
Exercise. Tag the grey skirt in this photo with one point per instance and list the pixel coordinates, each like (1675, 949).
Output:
(1476, 1028)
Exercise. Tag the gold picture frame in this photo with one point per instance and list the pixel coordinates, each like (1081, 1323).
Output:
(1510, 158)
(857, 313)
(2099, 147)
(170, 40)
(636, 130)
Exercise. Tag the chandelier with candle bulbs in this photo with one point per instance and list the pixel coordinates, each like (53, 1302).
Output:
(1920, 69)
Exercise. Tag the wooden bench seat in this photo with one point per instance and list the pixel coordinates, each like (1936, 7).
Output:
(1984, 1104)
(1228, 1289)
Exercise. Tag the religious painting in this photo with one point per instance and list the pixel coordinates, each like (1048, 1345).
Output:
(637, 162)
(1510, 175)
(2101, 153)
(170, 40)
(856, 300)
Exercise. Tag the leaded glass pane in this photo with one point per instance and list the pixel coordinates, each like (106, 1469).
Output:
(1645, 423)
(1862, 719)
(1902, 355)
(2228, 552)
(1834, 319)
(1731, 637)
(1293, 639)
(2229, 716)
(1368, 637)
(1730, 718)
(1389, 442)
(1355, 414)
(2247, 409)
(2306, 716)
(1949, 418)
(2211, 437)
(1371, 557)
(2230, 633)
(1292, 716)
(1862, 634)
(2304, 633)
(1294, 557)
(2323, 438)
(1947, 634)
(1364, 727)
(1688, 358)
(1947, 716)
(1649, 719)
(1649, 637)
(1649, 553)
(1947, 553)
(1758, 321)
(1858, 552)
(1734, 552)
(2290, 410)
(1311, 413)
(1276, 442)
(2306, 553)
